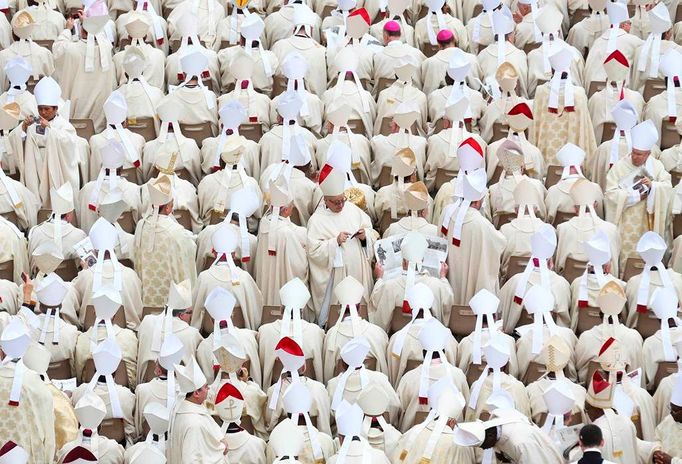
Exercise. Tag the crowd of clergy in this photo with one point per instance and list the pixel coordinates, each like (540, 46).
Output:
(340, 231)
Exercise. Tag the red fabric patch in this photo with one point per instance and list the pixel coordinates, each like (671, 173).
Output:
(324, 172)
(13, 403)
(181, 76)
(569, 109)
(642, 308)
(423, 401)
(518, 300)
(7, 447)
(272, 253)
(290, 346)
(406, 307)
(246, 259)
(136, 163)
(536, 262)
(245, 84)
(253, 118)
(553, 110)
(473, 144)
(521, 108)
(363, 13)
(228, 391)
(582, 304)
(205, 74)
(215, 168)
(92, 207)
(619, 57)
(672, 119)
(598, 383)
(606, 345)
(444, 230)
(456, 242)
(159, 41)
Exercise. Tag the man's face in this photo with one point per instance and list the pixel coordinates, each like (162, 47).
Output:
(201, 394)
(47, 112)
(523, 8)
(186, 315)
(676, 412)
(335, 203)
(639, 157)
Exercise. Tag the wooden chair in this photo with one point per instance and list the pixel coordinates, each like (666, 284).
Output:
(127, 222)
(12, 217)
(120, 374)
(665, 368)
(678, 14)
(45, 43)
(675, 177)
(251, 131)
(384, 83)
(579, 15)
(357, 126)
(270, 314)
(198, 132)
(385, 221)
(44, 214)
(517, 264)
(529, 47)
(562, 216)
(147, 310)
(653, 87)
(60, 370)
(462, 320)
(85, 128)
(647, 324)
(279, 85)
(554, 172)
(429, 50)
(225, 44)
(608, 129)
(595, 86)
(474, 372)
(573, 269)
(669, 135)
(385, 177)
(535, 371)
(183, 217)
(633, 266)
(127, 263)
(174, 44)
(237, 320)
(443, 176)
(334, 311)
(217, 216)
(143, 126)
(277, 370)
(500, 131)
(587, 318)
(496, 175)
(340, 366)
(327, 10)
(399, 319)
(113, 429)
(677, 225)
(502, 219)
(525, 318)
(119, 318)
(67, 270)
(130, 174)
(148, 369)
(7, 270)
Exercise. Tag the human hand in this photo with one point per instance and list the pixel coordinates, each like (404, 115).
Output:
(661, 457)
(444, 269)
(44, 122)
(28, 120)
(342, 237)
(361, 234)
(28, 288)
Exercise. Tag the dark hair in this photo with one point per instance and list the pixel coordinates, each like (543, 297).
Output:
(591, 436)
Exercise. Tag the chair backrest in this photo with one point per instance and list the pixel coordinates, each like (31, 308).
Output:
(279, 85)
(534, 371)
(113, 429)
(151, 310)
(462, 320)
(60, 370)
(573, 269)
(183, 217)
(356, 126)
(119, 318)
(67, 270)
(198, 132)
(335, 309)
(587, 318)
(252, 131)
(277, 370)
(562, 216)
(148, 371)
(677, 225)
(226, 44)
(127, 222)
(530, 46)
(647, 324)
(608, 129)
(474, 372)
(44, 214)
(385, 177)
(554, 172)
(595, 86)
(217, 216)
(45, 43)
(7, 270)
(12, 217)
(633, 266)
(271, 313)
(443, 176)
(503, 218)
(399, 319)
(665, 368)
(669, 135)
(386, 221)
(144, 127)
(85, 128)
(653, 87)
(500, 131)
(429, 50)
(384, 83)
(516, 265)
(120, 375)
